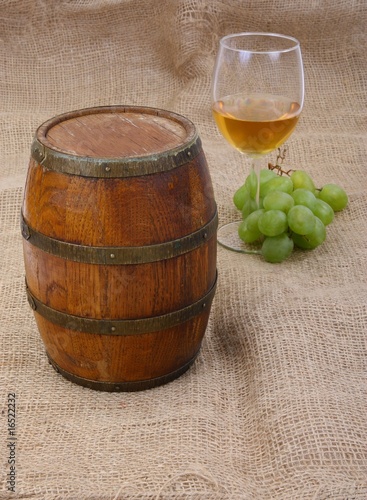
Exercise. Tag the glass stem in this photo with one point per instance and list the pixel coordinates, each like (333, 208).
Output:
(256, 167)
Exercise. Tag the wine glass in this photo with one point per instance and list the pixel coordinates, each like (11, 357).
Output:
(257, 98)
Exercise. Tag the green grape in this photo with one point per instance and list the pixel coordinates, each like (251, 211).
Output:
(335, 196)
(324, 212)
(313, 239)
(266, 174)
(301, 220)
(277, 248)
(304, 197)
(251, 184)
(248, 230)
(240, 196)
(253, 221)
(245, 234)
(273, 222)
(249, 206)
(278, 200)
(301, 179)
(278, 183)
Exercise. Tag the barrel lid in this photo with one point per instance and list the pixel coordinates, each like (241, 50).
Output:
(115, 141)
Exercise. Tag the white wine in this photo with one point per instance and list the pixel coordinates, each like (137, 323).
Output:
(256, 124)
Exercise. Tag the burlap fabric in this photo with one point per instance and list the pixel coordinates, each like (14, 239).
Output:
(275, 405)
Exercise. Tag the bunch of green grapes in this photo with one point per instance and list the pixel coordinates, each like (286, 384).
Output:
(291, 212)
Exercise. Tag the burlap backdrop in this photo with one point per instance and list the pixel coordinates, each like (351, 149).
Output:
(275, 405)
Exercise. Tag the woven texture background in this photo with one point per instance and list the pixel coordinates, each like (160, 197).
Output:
(275, 405)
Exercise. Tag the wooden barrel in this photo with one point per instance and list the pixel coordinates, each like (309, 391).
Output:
(119, 235)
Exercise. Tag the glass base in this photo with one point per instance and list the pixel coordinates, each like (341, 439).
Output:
(228, 238)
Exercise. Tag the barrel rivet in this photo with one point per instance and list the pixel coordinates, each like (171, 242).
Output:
(112, 255)
(205, 235)
(32, 303)
(113, 328)
(204, 305)
(189, 153)
(25, 231)
(107, 169)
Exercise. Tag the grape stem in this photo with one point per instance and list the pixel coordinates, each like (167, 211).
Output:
(280, 158)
